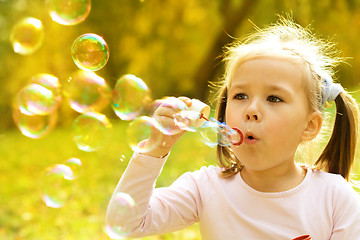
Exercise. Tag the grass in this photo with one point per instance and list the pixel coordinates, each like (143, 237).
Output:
(23, 215)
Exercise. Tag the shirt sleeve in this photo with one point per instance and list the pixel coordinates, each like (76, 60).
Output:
(346, 214)
(160, 210)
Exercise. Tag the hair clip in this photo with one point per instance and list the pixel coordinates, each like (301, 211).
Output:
(328, 104)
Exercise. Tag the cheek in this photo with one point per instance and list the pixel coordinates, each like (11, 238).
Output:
(289, 131)
(232, 117)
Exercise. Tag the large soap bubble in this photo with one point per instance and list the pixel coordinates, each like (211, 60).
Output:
(91, 131)
(35, 99)
(139, 130)
(90, 52)
(126, 209)
(69, 12)
(57, 186)
(130, 95)
(87, 92)
(34, 125)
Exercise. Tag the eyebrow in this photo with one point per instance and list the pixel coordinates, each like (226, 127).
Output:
(272, 87)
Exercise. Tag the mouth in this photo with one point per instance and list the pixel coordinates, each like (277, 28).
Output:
(250, 138)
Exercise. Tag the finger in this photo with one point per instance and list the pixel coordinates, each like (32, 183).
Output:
(175, 103)
(165, 111)
(186, 100)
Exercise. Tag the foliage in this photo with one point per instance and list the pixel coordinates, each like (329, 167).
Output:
(175, 51)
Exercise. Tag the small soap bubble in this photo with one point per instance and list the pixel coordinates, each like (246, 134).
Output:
(57, 186)
(69, 12)
(209, 133)
(27, 35)
(130, 95)
(87, 92)
(75, 166)
(125, 209)
(34, 99)
(34, 126)
(223, 135)
(91, 131)
(139, 130)
(214, 133)
(90, 52)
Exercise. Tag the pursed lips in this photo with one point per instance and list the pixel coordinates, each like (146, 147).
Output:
(250, 138)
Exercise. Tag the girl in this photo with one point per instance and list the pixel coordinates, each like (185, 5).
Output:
(274, 87)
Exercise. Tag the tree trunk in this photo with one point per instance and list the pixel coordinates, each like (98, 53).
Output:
(211, 63)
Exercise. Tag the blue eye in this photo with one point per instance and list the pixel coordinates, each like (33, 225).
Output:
(240, 96)
(274, 99)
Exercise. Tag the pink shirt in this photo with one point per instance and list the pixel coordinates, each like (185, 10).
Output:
(324, 205)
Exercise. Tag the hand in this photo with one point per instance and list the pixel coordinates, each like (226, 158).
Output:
(169, 133)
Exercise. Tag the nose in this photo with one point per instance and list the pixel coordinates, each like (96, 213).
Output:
(252, 112)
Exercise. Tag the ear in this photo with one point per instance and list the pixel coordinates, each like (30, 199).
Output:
(312, 127)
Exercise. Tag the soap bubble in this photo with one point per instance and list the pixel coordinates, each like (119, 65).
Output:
(34, 126)
(90, 52)
(56, 185)
(75, 166)
(87, 92)
(50, 82)
(27, 35)
(125, 209)
(91, 131)
(139, 130)
(34, 99)
(130, 95)
(69, 12)
(214, 133)
(209, 133)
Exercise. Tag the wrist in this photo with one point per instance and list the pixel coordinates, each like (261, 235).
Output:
(158, 150)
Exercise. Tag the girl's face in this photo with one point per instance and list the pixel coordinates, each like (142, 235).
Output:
(267, 101)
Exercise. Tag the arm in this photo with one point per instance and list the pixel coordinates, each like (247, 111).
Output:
(157, 211)
(160, 210)
(346, 215)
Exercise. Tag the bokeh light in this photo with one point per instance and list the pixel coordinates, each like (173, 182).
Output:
(34, 126)
(69, 12)
(27, 35)
(139, 130)
(90, 52)
(56, 185)
(126, 209)
(87, 92)
(91, 131)
(130, 96)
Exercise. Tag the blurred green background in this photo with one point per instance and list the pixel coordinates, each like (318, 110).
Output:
(173, 45)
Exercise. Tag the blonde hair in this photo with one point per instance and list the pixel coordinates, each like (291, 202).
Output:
(290, 41)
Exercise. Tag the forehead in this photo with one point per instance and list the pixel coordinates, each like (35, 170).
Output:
(268, 71)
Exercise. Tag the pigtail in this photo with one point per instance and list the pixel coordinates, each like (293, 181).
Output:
(339, 154)
(226, 159)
